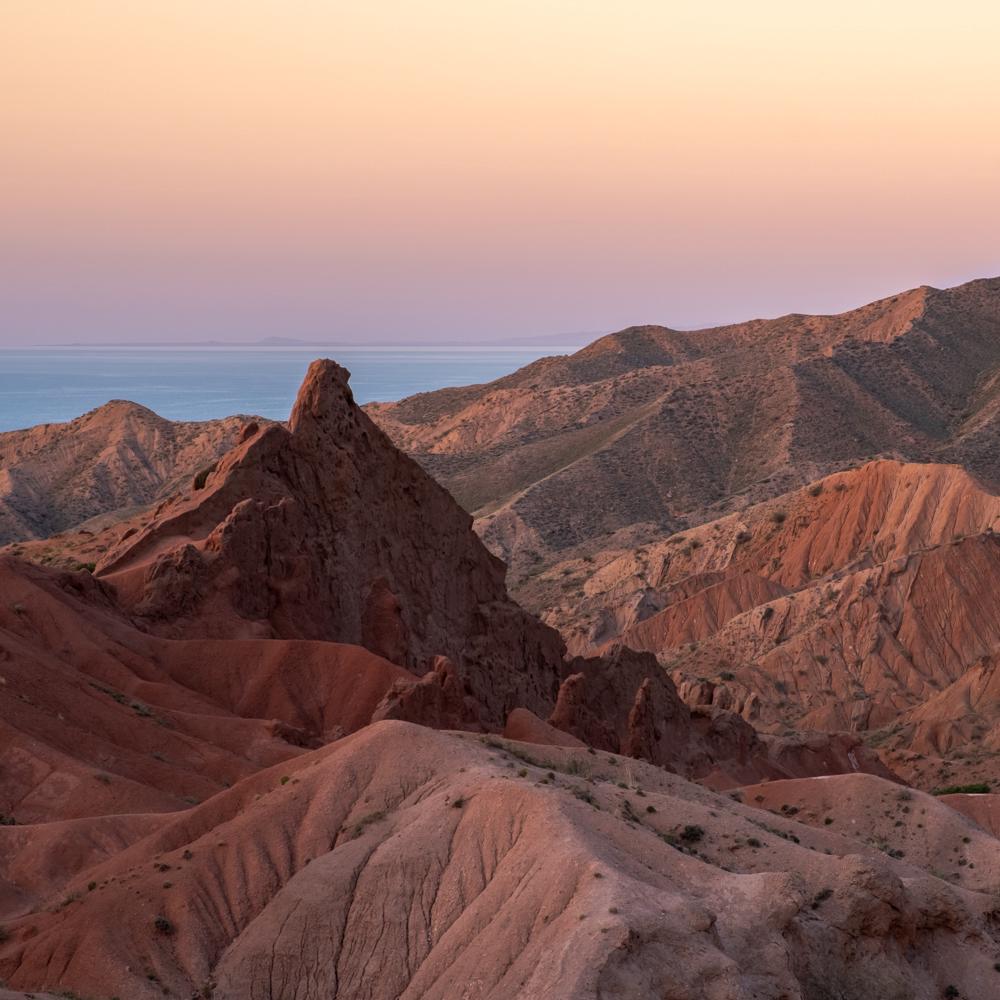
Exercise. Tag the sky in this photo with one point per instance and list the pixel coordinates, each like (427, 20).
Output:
(446, 170)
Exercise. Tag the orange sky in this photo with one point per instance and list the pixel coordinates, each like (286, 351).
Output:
(173, 168)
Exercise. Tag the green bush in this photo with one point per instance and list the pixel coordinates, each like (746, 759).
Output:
(977, 788)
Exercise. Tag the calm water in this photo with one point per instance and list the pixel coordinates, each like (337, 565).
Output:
(46, 386)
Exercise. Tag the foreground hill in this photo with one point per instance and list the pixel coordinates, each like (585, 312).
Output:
(117, 457)
(652, 430)
(404, 862)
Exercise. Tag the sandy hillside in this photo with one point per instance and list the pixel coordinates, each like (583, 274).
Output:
(113, 459)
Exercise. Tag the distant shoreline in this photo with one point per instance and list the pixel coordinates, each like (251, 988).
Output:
(561, 345)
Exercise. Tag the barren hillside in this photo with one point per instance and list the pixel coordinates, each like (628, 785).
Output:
(651, 430)
(118, 457)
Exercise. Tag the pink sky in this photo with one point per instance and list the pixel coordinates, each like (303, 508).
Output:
(176, 169)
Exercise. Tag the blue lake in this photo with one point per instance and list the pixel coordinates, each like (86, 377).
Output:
(45, 386)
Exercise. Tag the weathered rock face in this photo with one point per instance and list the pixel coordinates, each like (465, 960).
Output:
(116, 457)
(625, 704)
(323, 530)
(863, 602)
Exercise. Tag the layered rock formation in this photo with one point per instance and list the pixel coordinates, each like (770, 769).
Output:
(863, 602)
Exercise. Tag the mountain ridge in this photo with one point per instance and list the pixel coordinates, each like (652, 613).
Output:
(115, 457)
(701, 423)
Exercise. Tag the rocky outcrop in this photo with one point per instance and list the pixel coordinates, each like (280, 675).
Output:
(323, 530)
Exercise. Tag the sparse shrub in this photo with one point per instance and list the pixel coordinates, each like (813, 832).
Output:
(815, 489)
(779, 516)
(365, 822)
(458, 803)
(742, 537)
(977, 788)
(692, 833)
(163, 925)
